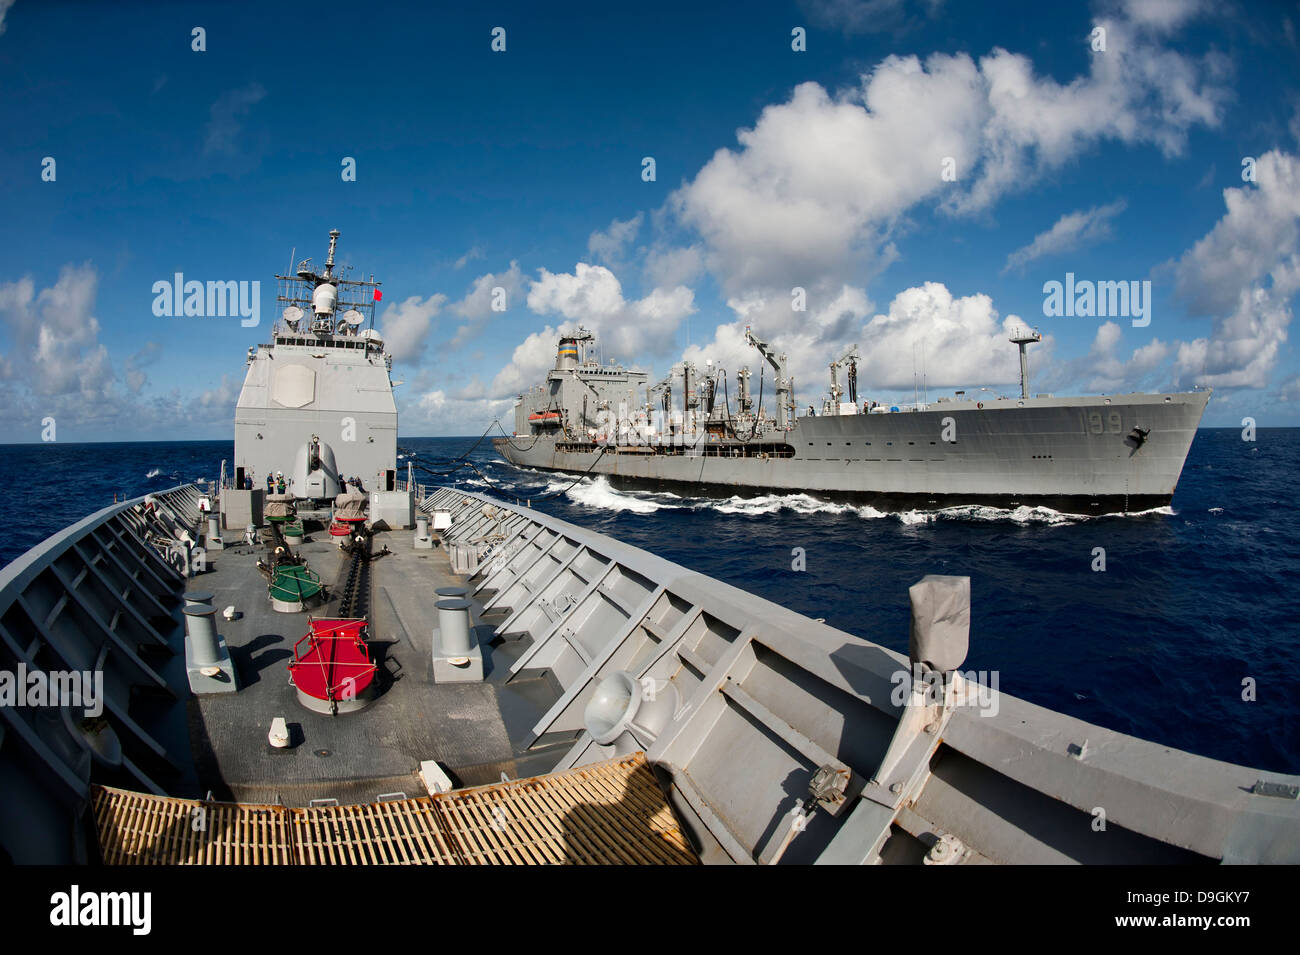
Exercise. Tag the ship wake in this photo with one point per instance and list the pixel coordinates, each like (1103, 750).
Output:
(599, 494)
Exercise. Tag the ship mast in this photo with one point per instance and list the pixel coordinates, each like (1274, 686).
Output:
(329, 259)
(1024, 339)
(338, 306)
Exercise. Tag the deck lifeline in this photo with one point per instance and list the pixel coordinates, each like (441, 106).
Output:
(606, 813)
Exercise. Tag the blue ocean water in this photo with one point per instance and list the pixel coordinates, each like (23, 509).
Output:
(1194, 600)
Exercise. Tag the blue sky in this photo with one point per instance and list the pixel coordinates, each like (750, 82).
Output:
(821, 169)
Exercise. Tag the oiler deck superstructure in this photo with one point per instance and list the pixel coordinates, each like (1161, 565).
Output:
(1085, 455)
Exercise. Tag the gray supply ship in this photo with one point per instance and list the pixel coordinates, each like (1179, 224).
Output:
(419, 675)
(1084, 455)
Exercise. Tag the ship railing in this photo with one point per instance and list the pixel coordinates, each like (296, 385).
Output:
(422, 491)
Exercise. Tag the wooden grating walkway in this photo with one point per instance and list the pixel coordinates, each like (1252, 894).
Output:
(607, 813)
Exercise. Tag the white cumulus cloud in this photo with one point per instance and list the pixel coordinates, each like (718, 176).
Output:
(926, 335)
(607, 246)
(1245, 274)
(1072, 231)
(814, 190)
(503, 288)
(1107, 372)
(405, 325)
(593, 295)
(528, 362)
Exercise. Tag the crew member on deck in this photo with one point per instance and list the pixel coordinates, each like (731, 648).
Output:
(270, 483)
(279, 482)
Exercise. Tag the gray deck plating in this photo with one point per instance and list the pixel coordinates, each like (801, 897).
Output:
(367, 753)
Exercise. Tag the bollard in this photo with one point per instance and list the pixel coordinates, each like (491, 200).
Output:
(197, 598)
(453, 622)
(201, 628)
(422, 539)
(453, 593)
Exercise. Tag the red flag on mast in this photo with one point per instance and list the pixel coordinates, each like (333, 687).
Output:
(378, 295)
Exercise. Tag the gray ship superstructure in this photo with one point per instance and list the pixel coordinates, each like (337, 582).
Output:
(317, 404)
(1088, 455)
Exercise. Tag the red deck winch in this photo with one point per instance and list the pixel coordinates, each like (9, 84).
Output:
(331, 668)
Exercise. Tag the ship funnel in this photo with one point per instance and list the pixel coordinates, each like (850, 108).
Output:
(567, 355)
(627, 713)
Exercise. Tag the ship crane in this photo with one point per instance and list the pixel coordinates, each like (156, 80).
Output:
(662, 385)
(850, 359)
(681, 372)
(784, 386)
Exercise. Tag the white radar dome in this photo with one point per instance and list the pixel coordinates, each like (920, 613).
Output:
(324, 299)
